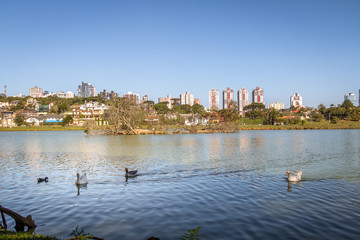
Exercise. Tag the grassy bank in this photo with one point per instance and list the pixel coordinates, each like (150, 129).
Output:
(42, 128)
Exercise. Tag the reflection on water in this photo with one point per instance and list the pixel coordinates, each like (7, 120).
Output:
(231, 184)
(291, 183)
(81, 186)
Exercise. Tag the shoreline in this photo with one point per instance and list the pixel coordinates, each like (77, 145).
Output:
(176, 129)
(166, 130)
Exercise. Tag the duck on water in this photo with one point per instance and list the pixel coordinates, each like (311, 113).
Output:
(132, 173)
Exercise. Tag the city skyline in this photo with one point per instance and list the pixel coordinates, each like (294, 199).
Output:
(168, 48)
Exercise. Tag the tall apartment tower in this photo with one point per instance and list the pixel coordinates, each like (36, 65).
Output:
(228, 98)
(243, 100)
(350, 97)
(296, 100)
(133, 97)
(214, 99)
(187, 98)
(86, 90)
(35, 92)
(258, 95)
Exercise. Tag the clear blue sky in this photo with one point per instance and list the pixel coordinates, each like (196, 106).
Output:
(170, 47)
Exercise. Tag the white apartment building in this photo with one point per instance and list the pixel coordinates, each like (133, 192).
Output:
(296, 100)
(277, 105)
(243, 100)
(214, 99)
(86, 90)
(228, 98)
(258, 95)
(187, 98)
(36, 92)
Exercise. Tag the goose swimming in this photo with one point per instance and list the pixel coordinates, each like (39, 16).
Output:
(294, 177)
(43, 179)
(132, 173)
(81, 179)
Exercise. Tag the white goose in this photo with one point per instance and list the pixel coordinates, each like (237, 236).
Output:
(294, 177)
(81, 179)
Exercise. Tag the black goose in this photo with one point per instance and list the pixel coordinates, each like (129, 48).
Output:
(43, 179)
(132, 173)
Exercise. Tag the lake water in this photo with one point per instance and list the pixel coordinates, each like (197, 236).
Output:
(230, 184)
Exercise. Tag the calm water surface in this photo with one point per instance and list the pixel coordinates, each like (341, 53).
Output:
(230, 184)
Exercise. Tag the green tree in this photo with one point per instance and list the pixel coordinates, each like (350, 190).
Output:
(19, 119)
(161, 108)
(185, 109)
(67, 120)
(270, 116)
(198, 109)
(316, 116)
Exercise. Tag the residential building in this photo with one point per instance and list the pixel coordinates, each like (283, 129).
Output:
(7, 119)
(36, 92)
(214, 99)
(70, 94)
(61, 94)
(243, 100)
(86, 90)
(167, 100)
(197, 101)
(351, 97)
(133, 97)
(108, 95)
(144, 99)
(187, 98)
(277, 105)
(258, 95)
(228, 98)
(4, 105)
(175, 101)
(296, 100)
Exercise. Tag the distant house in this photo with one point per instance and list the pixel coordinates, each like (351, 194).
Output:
(44, 108)
(35, 121)
(4, 105)
(7, 119)
(153, 119)
(194, 120)
(53, 119)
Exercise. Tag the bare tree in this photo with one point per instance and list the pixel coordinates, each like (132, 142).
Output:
(125, 114)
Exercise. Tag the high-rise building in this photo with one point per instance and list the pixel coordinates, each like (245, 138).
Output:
(296, 100)
(228, 98)
(167, 100)
(35, 92)
(214, 99)
(351, 97)
(86, 90)
(243, 100)
(133, 97)
(277, 105)
(258, 95)
(108, 95)
(187, 98)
